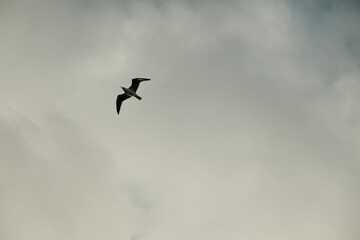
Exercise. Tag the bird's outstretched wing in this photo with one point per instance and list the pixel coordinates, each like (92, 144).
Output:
(135, 83)
(119, 100)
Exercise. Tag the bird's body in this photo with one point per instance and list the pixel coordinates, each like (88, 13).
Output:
(129, 92)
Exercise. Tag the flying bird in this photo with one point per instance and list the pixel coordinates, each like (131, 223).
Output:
(129, 92)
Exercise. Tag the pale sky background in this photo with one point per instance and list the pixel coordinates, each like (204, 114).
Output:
(249, 129)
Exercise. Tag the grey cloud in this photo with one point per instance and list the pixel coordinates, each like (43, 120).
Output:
(248, 129)
(57, 184)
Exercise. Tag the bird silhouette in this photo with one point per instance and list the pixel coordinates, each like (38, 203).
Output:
(129, 92)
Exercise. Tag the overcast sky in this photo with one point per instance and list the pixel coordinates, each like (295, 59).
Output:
(249, 128)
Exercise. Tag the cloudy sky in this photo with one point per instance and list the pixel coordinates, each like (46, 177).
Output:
(249, 129)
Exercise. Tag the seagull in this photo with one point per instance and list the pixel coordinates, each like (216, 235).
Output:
(129, 92)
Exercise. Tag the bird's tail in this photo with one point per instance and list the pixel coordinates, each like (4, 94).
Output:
(138, 97)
